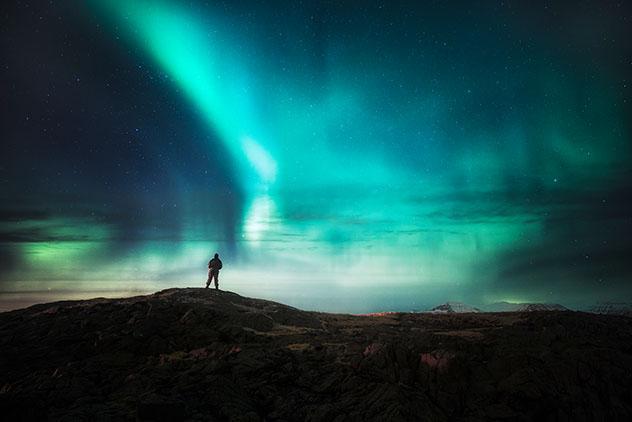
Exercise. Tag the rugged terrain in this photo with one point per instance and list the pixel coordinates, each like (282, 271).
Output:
(195, 354)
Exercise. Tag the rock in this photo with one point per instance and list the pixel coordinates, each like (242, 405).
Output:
(437, 359)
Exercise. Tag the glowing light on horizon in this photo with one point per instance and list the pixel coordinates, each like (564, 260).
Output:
(258, 219)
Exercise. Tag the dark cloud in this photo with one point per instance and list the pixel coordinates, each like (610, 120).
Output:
(13, 215)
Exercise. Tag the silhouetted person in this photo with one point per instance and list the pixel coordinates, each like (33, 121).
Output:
(214, 265)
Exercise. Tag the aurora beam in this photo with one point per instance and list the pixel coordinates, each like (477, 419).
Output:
(198, 57)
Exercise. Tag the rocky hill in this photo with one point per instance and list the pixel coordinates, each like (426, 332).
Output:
(195, 354)
(453, 307)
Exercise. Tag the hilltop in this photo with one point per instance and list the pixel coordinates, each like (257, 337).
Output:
(199, 354)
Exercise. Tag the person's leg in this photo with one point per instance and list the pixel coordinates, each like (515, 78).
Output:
(216, 275)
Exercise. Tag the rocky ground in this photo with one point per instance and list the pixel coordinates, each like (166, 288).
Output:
(195, 354)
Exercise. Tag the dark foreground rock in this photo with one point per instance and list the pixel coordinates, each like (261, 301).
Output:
(195, 354)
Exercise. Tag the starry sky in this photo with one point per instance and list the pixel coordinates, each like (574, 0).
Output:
(348, 156)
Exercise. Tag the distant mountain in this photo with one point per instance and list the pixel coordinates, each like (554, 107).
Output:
(453, 307)
(612, 308)
(524, 307)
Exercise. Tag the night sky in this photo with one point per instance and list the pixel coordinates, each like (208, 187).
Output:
(339, 155)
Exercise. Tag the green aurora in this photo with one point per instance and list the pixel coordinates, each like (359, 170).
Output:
(387, 158)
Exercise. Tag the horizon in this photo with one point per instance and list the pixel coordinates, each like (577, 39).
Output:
(338, 158)
(17, 300)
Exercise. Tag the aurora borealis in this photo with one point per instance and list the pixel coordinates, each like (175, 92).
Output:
(346, 156)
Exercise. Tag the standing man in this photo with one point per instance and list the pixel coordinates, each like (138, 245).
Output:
(214, 265)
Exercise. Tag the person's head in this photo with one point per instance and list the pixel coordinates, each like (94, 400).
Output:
(216, 255)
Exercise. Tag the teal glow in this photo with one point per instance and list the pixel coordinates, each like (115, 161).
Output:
(387, 160)
(194, 52)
